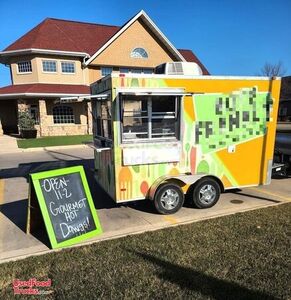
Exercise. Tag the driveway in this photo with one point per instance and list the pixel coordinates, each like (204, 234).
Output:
(116, 220)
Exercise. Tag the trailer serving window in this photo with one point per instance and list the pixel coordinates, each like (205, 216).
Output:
(145, 118)
(102, 114)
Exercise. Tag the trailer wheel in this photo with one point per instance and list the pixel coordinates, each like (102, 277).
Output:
(206, 193)
(168, 199)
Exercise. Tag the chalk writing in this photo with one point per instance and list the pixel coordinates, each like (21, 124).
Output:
(78, 228)
(58, 186)
(67, 205)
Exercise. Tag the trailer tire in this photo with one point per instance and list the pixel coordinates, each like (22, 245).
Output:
(168, 199)
(206, 193)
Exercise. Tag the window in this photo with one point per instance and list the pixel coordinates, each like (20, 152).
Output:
(148, 71)
(136, 71)
(34, 112)
(147, 118)
(24, 67)
(123, 70)
(103, 119)
(49, 66)
(106, 71)
(63, 114)
(138, 53)
(68, 67)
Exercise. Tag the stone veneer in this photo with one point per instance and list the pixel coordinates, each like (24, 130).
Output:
(46, 126)
(54, 130)
(1, 130)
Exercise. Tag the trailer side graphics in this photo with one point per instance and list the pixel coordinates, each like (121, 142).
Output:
(211, 122)
(226, 130)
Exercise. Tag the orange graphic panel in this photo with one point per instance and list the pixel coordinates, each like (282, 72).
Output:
(246, 163)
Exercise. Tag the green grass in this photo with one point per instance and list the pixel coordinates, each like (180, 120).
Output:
(241, 256)
(54, 141)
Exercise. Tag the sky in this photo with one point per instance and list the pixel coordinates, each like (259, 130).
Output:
(230, 37)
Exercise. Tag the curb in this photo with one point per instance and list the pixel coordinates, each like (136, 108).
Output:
(55, 148)
(38, 149)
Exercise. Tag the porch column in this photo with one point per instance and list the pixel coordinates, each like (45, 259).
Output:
(21, 105)
(1, 130)
(89, 116)
(42, 117)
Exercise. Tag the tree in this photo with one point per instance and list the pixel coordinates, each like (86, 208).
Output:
(270, 69)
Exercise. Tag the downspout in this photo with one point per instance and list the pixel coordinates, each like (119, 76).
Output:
(11, 77)
(84, 66)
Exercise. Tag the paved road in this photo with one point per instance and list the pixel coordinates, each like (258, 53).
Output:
(15, 169)
(116, 220)
(16, 160)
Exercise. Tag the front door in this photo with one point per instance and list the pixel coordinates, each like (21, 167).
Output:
(8, 116)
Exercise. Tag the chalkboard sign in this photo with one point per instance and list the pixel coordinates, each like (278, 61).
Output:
(66, 205)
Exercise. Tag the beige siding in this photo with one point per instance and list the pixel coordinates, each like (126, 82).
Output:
(38, 76)
(79, 77)
(21, 78)
(94, 73)
(118, 53)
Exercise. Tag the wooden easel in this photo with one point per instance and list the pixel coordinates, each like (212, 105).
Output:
(34, 216)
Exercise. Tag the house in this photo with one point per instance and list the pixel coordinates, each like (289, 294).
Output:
(285, 100)
(284, 115)
(60, 58)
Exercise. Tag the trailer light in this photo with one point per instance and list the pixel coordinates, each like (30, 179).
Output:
(122, 190)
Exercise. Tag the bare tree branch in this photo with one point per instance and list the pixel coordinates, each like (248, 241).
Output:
(273, 69)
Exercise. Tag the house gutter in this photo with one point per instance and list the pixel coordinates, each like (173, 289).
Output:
(53, 95)
(4, 54)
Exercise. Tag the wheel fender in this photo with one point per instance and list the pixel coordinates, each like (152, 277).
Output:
(183, 179)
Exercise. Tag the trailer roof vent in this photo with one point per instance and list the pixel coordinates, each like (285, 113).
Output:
(179, 68)
(175, 68)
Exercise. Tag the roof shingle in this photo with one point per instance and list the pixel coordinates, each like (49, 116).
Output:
(63, 35)
(43, 88)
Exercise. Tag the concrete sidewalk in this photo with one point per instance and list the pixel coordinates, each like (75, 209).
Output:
(123, 220)
(8, 144)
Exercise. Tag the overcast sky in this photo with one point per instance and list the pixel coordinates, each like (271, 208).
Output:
(230, 37)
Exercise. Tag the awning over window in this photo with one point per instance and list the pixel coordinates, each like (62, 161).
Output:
(82, 98)
(153, 92)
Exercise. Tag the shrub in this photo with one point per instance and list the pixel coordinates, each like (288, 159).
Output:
(25, 120)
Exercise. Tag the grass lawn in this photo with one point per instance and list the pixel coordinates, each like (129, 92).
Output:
(54, 141)
(242, 256)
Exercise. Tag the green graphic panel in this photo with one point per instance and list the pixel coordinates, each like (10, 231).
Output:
(227, 119)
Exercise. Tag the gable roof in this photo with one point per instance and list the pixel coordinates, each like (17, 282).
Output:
(56, 36)
(151, 25)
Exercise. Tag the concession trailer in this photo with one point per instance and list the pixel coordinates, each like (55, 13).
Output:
(160, 137)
